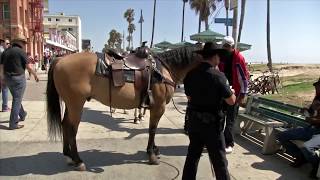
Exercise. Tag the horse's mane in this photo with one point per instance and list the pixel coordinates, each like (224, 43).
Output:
(179, 57)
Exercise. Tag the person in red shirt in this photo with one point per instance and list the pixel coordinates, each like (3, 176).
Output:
(234, 67)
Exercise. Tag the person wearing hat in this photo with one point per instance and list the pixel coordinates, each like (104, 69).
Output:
(4, 44)
(14, 62)
(310, 134)
(206, 89)
(233, 65)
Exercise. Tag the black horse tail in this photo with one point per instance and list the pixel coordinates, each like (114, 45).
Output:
(53, 106)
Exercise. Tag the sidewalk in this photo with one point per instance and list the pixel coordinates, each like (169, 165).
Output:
(115, 148)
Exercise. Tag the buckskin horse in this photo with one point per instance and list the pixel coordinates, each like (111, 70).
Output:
(73, 80)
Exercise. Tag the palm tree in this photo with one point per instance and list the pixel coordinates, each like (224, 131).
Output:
(131, 29)
(204, 8)
(129, 15)
(184, 5)
(153, 21)
(243, 8)
(268, 37)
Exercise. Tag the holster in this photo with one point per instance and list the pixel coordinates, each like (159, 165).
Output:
(205, 117)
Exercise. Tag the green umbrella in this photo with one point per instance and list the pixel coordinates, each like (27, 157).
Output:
(180, 44)
(243, 46)
(157, 50)
(163, 45)
(207, 36)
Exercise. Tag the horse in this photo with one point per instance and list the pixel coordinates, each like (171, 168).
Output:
(72, 79)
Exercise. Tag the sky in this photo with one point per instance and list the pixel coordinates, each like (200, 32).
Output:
(295, 27)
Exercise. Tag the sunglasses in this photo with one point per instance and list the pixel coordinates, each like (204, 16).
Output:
(7, 43)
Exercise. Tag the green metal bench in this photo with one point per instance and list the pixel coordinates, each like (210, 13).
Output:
(268, 116)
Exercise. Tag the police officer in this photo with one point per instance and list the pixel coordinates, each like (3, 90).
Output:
(206, 88)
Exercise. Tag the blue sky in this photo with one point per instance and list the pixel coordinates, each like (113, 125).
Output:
(295, 27)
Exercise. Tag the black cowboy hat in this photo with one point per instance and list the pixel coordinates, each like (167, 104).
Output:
(317, 83)
(210, 49)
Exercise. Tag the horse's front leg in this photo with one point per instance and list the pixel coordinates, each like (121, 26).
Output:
(153, 151)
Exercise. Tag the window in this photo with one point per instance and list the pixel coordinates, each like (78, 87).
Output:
(70, 29)
(49, 19)
(57, 19)
(70, 20)
(6, 11)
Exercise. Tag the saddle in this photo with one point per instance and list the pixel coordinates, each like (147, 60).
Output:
(133, 68)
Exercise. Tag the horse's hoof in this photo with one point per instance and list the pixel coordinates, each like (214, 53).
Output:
(153, 160)
(81, 167)
(69, 161)
(137, 122)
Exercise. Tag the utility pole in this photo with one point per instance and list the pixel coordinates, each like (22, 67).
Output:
(226, 4)
(141, 20)
(123, 40)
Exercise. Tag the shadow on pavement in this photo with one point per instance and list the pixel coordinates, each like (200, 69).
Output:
(274, 163)
(117, 124)
(50, 163)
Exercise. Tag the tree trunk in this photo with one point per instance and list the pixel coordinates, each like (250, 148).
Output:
(153, 22)
(235, 25)
(243, 8)
(199, 26)
(207, 23)
(182, 32)
(268, 37)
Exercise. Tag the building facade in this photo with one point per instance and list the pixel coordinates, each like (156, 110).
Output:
(22, 19)
(62, 23)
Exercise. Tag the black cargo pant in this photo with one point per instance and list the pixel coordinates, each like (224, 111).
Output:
(210, 135)
(231, 114)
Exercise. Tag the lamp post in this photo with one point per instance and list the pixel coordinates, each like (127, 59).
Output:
(141, 20)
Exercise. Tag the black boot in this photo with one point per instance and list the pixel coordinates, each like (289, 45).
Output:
(314, 171)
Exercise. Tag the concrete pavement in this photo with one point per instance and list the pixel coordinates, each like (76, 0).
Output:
(114, 148)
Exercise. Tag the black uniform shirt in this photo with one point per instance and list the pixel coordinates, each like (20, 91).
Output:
(14, 61)
(207, 88)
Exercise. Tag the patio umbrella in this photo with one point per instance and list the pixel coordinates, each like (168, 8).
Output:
(243, 46)
(207, 36)
(163, 45)
(157, 50)
(180, 44)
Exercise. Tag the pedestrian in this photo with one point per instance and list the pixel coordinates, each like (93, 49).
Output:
(309, 134)
(14, 61)
(36, 62)
(30, 62)
(206, 89)
(234, 67)
(5, 44)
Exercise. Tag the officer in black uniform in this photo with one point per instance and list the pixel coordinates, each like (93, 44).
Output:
(207, 88)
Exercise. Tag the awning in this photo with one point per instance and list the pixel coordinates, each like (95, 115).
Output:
(59, 45)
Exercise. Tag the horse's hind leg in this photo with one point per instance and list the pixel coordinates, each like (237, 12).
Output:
(152, 149)
(66, 144)
(70, 129)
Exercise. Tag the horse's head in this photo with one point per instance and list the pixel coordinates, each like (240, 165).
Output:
(181, 60)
